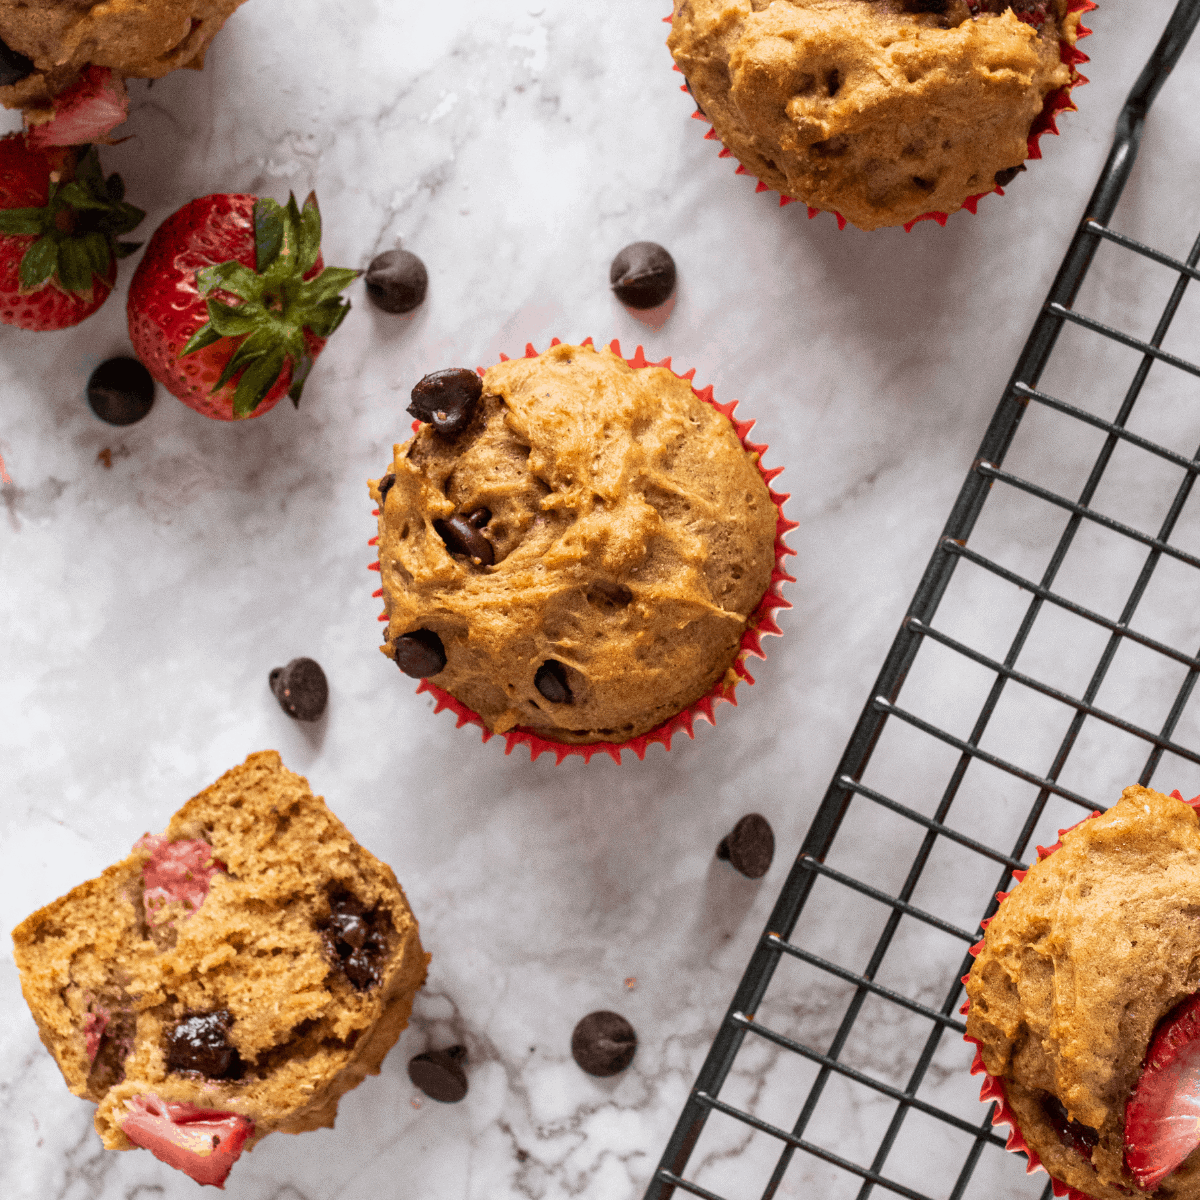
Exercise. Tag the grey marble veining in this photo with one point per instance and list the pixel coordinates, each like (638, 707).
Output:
(515, 147)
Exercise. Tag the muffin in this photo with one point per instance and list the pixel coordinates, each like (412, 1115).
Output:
(571, 546)
(1083, 1002)
(231, 977)
(45, 45)
(882, 111)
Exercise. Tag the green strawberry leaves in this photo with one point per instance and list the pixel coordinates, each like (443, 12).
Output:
(77, 231)
(277, 304)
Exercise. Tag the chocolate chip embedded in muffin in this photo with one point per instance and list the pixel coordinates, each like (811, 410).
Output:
(396, 281)
(439, 1073)
(356, 940)
(301, 688)
(462, 536)
(13, 66)
(642, 275)
(749, 846)
(603, 1043)
(551, 681)
(420, 653)
(200, 1042)
(447, 399)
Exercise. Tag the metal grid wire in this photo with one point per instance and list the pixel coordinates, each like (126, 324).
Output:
(916, 1129)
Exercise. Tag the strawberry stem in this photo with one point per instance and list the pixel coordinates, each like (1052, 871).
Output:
(277, 304)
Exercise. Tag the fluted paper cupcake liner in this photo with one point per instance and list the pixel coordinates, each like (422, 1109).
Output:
(1045, 122)
(762, 620)
(992, 1091)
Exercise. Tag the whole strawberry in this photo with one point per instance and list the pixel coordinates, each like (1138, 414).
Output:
(231, 303)
(60, 221)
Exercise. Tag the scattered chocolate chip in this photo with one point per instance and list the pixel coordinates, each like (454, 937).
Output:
(462, 537)
(642, 275)
(479, 518)
(603, 1043)
(300, 688)
(551, 681)
(355, 939)
(420, 653)
(120, 391)
(447, 399)
(1005, 177)
(749, 847)
(14, 66)
(925, 6)
(385, 485)
(200, 1042)
(439, 1073)
(1083, 1139)
(396, 281)
(608, 594)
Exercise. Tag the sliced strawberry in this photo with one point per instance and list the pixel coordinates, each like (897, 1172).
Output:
(94, 1026)
(93, 105)
(1162, 1117)
(200, 1142)
(180, 870)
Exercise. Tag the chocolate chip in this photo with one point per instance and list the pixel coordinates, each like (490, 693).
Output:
(396, 281)
(551, 681)
(420, 653)
(355, 939)
(447, 399)
(749, 847)
(439, 1073)
(300, 688)
(1005, 177)
(462, 537)
(200, 1042)
(603, 1043)
(642, 275)
(1083, 1139)
(384, 486)
(480, 517)
(120, 391)
(13, 66)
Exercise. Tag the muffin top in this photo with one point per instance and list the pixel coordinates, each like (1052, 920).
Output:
(628, 534)
(1082, 961)
(143, 38)
(880, 110)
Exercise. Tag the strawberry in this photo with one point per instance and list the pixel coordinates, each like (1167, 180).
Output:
(1162, 1117)
(200, 1142)
(231, 303)
(84, 112)
(60, 221)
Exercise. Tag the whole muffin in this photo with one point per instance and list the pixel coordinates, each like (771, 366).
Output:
(139, 38)
(229, 978)
(1075, 994)
(879, 110)
(581, 557)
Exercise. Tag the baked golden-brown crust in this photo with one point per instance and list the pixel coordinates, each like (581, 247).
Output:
(253, 948)
(861, 108)
(633, 538)
(1081, 962)
(141, 38)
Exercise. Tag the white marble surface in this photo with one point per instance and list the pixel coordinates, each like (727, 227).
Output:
(516, 146)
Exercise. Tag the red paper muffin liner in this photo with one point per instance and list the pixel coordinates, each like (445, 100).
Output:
(992, 1088)
(762, 620)
(1045, 122)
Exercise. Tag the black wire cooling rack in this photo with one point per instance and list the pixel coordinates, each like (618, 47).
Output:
(1071, 634)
